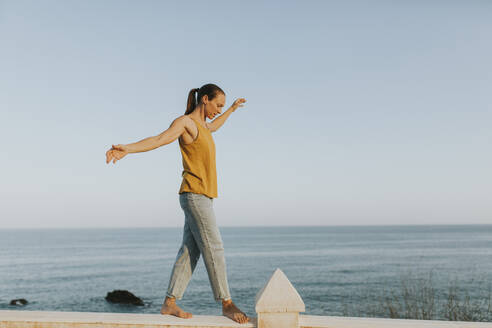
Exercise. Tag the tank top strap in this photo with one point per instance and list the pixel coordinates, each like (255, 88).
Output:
(197, 123)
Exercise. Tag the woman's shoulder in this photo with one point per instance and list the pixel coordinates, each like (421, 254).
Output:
(184, 120)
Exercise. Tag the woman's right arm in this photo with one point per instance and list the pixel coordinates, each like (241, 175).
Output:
(174, 131)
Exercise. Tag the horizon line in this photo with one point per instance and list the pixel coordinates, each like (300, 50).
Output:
(251, 226)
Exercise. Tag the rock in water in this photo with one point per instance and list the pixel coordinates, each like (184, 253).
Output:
(19, 301)
(123, 296)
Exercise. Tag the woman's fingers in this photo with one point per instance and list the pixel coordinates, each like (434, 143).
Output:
(238, 102)
(116, 157)
(109, 154)
(114, 154)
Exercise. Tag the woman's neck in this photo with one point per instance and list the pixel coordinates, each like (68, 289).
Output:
(199, 113)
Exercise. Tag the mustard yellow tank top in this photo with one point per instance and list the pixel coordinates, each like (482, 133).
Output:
(199, 171)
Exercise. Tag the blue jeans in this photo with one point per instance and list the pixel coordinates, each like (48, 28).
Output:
(200, 236)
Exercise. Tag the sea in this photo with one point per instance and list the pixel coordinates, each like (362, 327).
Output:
(337, 270)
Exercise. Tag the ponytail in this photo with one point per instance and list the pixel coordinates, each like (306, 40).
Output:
(211, 90)
(190, 106)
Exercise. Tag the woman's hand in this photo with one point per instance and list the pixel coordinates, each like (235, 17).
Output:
(238, 103)
(116, 153)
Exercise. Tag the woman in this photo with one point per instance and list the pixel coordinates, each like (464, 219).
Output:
(198, 188)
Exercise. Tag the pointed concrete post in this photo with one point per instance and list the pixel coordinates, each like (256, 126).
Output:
(278, 304)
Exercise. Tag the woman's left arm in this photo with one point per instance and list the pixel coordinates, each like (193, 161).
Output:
(219, 121)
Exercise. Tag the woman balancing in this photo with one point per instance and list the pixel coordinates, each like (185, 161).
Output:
(198, 189)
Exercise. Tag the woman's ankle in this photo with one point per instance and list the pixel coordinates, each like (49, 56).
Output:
(169, 300)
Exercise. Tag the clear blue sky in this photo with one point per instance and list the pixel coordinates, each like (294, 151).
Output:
(358, 112)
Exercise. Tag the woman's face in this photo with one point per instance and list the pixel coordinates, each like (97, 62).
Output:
(214, 107)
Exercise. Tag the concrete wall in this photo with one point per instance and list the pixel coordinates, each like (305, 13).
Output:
(277, 306)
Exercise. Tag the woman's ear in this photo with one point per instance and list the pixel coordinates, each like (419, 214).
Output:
(205, 99)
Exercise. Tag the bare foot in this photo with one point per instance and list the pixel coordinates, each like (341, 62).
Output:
(232, 312)
(170, 307)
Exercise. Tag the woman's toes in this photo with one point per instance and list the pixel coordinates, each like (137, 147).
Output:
(185, 315)
(240, 317)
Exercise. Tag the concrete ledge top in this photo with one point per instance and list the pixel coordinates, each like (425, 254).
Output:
(42, 319)
(314, 321)
(115, 319)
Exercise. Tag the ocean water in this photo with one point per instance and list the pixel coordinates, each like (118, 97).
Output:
(332, 268)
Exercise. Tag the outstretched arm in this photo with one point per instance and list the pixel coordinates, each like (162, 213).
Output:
(219, 121)
(175, 130)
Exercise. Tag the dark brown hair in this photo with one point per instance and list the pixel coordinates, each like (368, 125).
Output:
(211, 90)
